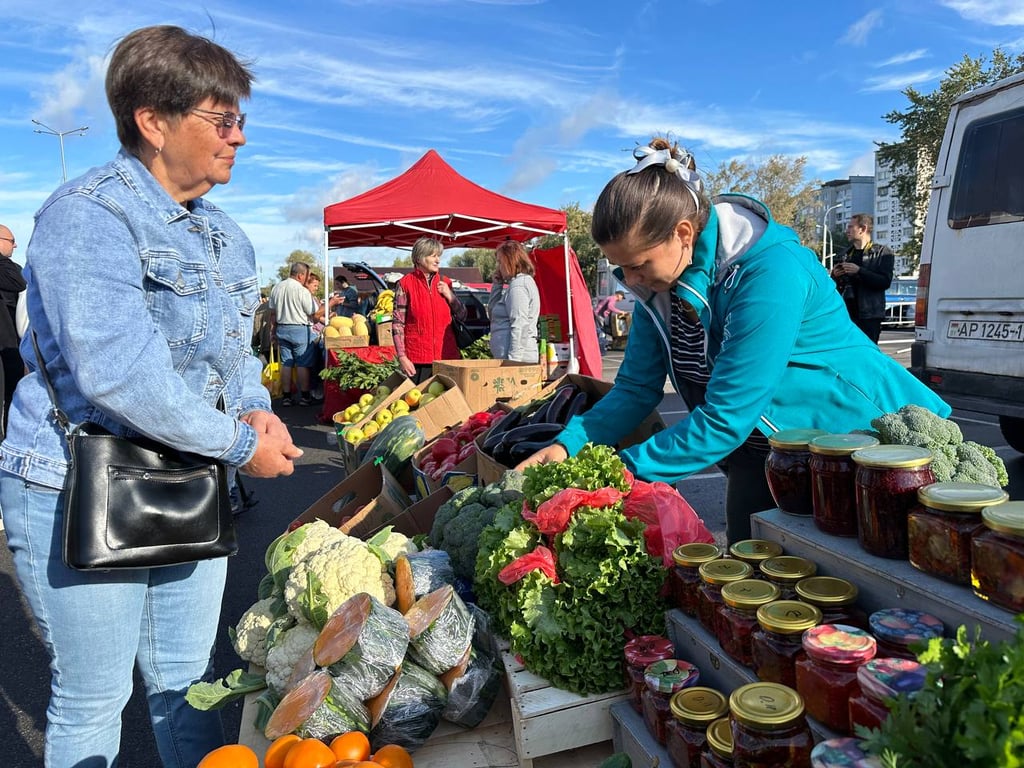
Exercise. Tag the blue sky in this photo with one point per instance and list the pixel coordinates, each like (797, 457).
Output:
(539, 100)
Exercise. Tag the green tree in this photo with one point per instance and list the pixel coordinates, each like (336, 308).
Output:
(923, 123)
(303, 257)
(587, 251)
(481, 258)
(778, 182)
(402, 261)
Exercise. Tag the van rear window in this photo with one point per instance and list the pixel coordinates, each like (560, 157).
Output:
(989, 181)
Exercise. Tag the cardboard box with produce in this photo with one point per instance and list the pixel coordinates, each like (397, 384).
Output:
(344, 332)
(485, 382)
(450, 459)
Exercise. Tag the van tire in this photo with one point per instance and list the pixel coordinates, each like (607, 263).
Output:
(1013, 431)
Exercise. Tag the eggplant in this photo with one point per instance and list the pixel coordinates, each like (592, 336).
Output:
(577, 405)
(526, 449)
(560, 403)
(509, 421)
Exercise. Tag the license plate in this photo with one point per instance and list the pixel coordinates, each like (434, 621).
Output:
(983, 329)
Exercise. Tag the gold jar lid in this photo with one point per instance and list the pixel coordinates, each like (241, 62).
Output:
(826, 591)
(840, 445)
(1007, 517)
(766, 705)
(788, 568)
(749, 594)
(754, 551)
(719, 735)
(696, 553)
(892, 456)
(724, 570)
(788, 617)
(960, 497)
(794, 439)
(698, 705)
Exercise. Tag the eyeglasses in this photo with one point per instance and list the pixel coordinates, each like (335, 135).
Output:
(227, 120)
(10, 240)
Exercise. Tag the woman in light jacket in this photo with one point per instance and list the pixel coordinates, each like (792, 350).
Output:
(514, 306)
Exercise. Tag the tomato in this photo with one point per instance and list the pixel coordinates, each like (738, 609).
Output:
(230, 756)
(310, 753)
(276, 752)
(392, 756)
(353, 745)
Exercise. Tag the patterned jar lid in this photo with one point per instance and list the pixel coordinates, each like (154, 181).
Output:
(670, 675)
(839, 644)
(886, 678)
(901, 626)
(843, 752)
(647, 649)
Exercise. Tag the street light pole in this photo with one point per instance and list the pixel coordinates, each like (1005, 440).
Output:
(825, 233)
(60, 135)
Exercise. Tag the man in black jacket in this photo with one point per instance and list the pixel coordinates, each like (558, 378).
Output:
(11, 284)
(863, 276)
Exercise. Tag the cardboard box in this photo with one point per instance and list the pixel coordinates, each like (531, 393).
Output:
(369, 497)
(486, 382)
(419, 518)
(384, 335)
(352, 455)
(487, 469)
(449, 409)
(345, 342)
(458, 477)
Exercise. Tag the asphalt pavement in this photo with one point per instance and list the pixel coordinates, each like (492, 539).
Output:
(24, 676)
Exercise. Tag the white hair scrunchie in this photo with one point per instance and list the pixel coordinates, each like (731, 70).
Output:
(676, 163)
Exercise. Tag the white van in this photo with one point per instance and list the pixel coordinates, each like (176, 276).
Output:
(969, 314)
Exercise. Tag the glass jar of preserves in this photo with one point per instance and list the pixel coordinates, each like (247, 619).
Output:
(835, 598)
(693, 710)
(897, 629)
(685, 576)
(640, 653)
(663, 679)
(785, 571)
(887, 480)
(787, 470)
(737, 617)
(769, 727)
(776, 644)
(827, 676)
(879, 680)
(997, 557)
(754, 552)
(714, 575)
(833, 497)
(939, 532)
(717, 753)
(844, 752)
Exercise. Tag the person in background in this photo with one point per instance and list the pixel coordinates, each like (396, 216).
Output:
(424, 306)
(261, 329)
(137, 238)
(319, 319)
(293, 307)
(514, 306)
(349, 304)
(606, 313)
(12, 284)
(744, 321)
(863, 276)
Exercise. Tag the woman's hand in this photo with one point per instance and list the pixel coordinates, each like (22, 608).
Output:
(446, 291)
(553, 453)
(407, 366)
(275, 452)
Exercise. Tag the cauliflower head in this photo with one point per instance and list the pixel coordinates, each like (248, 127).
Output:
(290, 548)
(397, 544)
(282, 657)
(328, 577)
(250, 635)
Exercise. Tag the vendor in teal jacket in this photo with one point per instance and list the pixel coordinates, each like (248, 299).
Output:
(744, 321)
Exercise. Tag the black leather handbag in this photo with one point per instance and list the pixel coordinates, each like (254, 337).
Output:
(463, 336)
(131, 502)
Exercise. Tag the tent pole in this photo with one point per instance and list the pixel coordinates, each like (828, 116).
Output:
(328, 286)
(573, 364)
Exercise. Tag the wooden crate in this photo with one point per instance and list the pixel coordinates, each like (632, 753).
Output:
(546, 719)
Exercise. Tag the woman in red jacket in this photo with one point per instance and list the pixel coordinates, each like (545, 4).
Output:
(424, 306)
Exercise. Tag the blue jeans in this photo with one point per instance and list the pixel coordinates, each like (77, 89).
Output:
(296, 345)
(97, 626)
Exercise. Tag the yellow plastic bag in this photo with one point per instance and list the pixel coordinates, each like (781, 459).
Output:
(272, 373)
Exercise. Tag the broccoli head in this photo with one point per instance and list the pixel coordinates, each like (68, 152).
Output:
(914, 425)
(448, 511)
(977, 464)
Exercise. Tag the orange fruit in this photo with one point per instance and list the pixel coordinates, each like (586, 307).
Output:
(310, 753)
(392, 756)
(230, 756)
(353, 745)
(278, 750)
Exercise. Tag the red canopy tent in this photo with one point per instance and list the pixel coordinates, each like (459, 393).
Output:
(432, 199)
(548, 263)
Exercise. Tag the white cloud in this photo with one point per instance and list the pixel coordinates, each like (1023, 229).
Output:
(999, 13)
(897, 82)
(904, 58)
(858, 32)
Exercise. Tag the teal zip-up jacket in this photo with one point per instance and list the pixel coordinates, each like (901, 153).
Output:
(783, 352)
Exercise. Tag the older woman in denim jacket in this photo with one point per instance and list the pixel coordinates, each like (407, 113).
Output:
(136, 238)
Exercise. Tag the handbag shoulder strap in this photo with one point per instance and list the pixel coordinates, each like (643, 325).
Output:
(58, 415)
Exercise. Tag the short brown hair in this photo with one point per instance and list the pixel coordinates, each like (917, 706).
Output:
(170, 71)
(865, 220)
(512, 254)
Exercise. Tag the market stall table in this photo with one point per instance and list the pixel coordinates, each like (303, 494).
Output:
(336, 399)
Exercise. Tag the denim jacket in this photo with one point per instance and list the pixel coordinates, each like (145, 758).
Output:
(143, 312)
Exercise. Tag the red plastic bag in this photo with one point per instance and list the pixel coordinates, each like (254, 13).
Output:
(553, 516)
(542, 559)
(670, 520)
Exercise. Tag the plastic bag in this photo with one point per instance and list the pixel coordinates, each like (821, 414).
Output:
(272, 373)
(552, 517)
(541, 559)
(471, 696)
(670, 520)
(410, 709)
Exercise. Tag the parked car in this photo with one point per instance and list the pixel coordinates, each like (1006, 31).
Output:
(475, 300)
